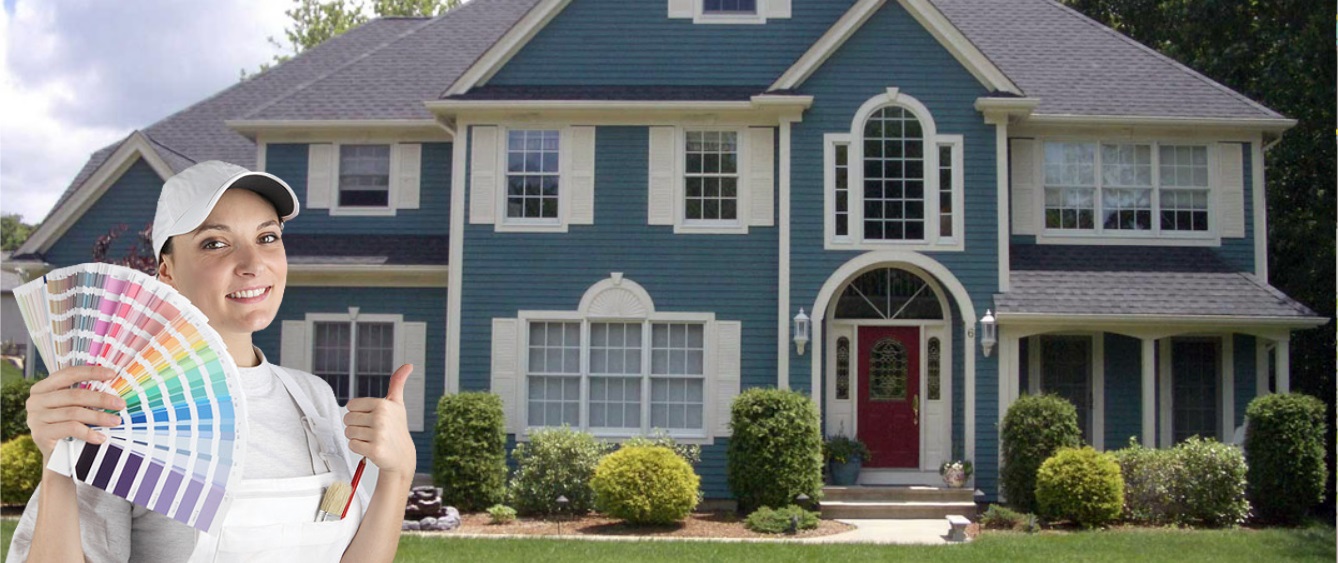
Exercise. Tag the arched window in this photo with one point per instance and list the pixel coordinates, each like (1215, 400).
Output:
(894, 176)
(889, 293)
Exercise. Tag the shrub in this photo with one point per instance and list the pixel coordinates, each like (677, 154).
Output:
(998, 517)
(767, 520)
(20, 469)
(1034, 428)
(555, 462)
(691, 453)
(1080, 485)
(13, 408)
(645, 485)
(775, 451)
(1211, 485)
(842, 449)
(469, 461)
(1149, 475)
(1284, 446)
(501, 514)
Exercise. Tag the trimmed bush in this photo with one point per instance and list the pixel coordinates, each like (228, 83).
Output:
(999, 517)
(501, 514)
(767, 520)
(469, 461)
(775, 450)
(20, 469)
(1211, 486)
(645, 485)
(691, 453)
(1284, 446)
(1149, 478)
(14, 408)
(1080, 485)
(555, 462)
(1034, 428)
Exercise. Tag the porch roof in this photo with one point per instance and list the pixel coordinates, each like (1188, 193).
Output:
(1132, 282)
(378, 250)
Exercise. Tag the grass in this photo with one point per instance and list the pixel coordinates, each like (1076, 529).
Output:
(1313, 543)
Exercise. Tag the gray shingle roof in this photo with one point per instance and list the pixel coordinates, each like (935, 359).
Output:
(1078, 66)
(383, 250)
(614, 93)
(1073, 280)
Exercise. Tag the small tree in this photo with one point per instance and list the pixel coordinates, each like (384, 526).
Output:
(775, 451)
(470, 450)
(1033, 430)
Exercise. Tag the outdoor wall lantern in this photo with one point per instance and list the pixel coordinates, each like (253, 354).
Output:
(801, 331)
(987, 329)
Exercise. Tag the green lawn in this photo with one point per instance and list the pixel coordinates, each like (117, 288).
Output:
(1315, 543)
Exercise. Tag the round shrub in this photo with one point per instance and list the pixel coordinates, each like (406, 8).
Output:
(501, 514)
(1210, 486)
(767, 520)
(1034, 428)
(1080, 485)
(1149, 476)
(1284, 447)
(469, 461)
(645, 485)
(20, 469)
(555, 462)
(13, 408)
(775, 450)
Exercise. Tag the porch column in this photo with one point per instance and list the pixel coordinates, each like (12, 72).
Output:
(1284, 375)
(1149, 402)
(1008, 371)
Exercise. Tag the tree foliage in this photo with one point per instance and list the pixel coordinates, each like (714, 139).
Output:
(138, 255)
(13, 231)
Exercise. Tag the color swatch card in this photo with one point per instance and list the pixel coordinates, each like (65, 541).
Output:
(180, 444)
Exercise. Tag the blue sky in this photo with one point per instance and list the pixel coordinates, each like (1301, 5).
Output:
(82, 74)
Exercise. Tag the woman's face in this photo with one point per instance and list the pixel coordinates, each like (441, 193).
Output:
(233, 267)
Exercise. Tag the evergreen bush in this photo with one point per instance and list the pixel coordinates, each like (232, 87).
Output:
(1211, 484)
(1284, 448)
(1034, 428)
(1080, 485)
(555, 462)
(20, 469)
(470, 450)
(501, 514)
(999, 517)
(1150, 475)
(767, 520)
(14, 408)
(775, 449)
(645, 485)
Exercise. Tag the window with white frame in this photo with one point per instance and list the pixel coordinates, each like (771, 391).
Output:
(894, 176)
(841, 187)
(364, 176)
(748, 7)
(555, 374)
(1125, 188)
(711, 177)
(532, 175)
(355, 358)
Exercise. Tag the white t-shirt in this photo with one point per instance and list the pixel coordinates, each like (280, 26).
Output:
(113, 529)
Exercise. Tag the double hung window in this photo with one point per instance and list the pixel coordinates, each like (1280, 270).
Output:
(711, 177)
(1125, 187)
(532, 175)
(355, 358)
(364, 176)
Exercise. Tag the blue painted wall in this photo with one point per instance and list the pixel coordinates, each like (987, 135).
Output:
(621, 42)
(892, 50)
(1246, 372)
(732, 276)
(130, 201)
(289, 161)
(1124, 390)
(426, 305)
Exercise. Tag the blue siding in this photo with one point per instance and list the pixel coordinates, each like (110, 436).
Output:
(1239, 252)
(508, 272)
(892, 50)
(621, 42)
(1245, 373)
(416, 304)
(289, 161)
(1124, 390)
(130, 201)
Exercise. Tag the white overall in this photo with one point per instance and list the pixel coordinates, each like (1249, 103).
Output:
(275, 519)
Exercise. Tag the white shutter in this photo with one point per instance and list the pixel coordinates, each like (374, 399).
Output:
(320, 176)
(506, 371)
(581, 177)
(415, 352)
(1022, 169)
(663, 155)
(1230, 190)
(681, 8)
(408, 174)
(294, 347)
(483, 175)
(728, 350)
(761, 176)
(778, 8)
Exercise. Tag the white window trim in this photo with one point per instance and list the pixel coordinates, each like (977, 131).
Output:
(353, 317)
(958, 187)
(707, 320)
(829, 143)
(392, 194)
(1151, 237)
(765, 9)
(505, 224)
(932, 241)
(743, 191)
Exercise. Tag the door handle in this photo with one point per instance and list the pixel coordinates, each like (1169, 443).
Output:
(915, 408)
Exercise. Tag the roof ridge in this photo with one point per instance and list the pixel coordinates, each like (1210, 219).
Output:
(167, 147)
(485, 50)
(1166, 59)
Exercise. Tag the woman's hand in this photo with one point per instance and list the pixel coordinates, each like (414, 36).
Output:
(56, 410)
(379, 429)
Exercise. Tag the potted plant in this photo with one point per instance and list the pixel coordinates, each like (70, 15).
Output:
(955, 472)
(844, 455)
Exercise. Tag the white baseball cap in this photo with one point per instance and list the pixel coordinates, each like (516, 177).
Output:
(189, 197)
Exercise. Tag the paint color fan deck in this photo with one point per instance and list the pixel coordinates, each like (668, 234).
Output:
(179, 447)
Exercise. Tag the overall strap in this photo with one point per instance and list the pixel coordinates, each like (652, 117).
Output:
(319, 441)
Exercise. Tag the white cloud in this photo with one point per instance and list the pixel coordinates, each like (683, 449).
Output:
(82, 74)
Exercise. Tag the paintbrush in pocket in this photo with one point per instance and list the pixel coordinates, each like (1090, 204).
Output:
(333, 502)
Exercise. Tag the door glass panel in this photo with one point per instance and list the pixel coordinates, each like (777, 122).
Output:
(843, 368)
(1194, 391)
(935, 386)
(888, 371)
(1066, 369)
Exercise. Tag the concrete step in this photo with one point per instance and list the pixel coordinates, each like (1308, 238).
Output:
(856, 510)
(889, 494)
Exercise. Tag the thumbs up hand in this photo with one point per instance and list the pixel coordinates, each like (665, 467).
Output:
(379, 429)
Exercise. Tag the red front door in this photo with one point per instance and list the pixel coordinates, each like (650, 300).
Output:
(889, 394)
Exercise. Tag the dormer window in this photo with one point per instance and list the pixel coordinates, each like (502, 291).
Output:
(729, 7)
(729, 11)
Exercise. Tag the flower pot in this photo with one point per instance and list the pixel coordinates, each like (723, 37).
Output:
(845, 474)
(954, 478)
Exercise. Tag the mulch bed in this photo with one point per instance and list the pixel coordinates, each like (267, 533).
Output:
(697, 525)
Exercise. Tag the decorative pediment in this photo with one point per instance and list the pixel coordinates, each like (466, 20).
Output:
(617, 298)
